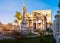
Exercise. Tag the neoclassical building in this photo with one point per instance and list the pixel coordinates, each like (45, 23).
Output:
(38, 19)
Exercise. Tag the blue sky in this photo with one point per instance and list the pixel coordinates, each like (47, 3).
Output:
(8, 8)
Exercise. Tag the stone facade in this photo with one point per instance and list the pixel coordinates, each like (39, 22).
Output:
(56, 25)
(39, 19)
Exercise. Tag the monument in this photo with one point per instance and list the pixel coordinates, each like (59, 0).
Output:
(56, 25)
(24, 27)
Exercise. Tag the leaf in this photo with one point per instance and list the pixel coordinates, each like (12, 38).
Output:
(18, 15)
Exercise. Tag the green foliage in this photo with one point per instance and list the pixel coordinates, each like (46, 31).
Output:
(44, 39)
(18, 15)
(15, 21)
(47, 39)
(49, 30)
(22, 39)
(7, 41)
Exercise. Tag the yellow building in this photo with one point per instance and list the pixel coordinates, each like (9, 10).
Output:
(39, 19)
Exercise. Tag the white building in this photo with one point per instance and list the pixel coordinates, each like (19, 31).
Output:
(56, 25)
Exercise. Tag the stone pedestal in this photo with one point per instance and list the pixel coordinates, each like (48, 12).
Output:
(24, 28)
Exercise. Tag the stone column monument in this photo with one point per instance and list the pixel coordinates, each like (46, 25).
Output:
(24, 28)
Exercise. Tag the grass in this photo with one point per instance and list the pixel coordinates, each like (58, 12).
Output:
(48, 39)
(33, 40)
(44, 39)
(7, 41)
(22, 40)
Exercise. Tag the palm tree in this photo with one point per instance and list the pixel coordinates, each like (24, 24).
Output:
(16, 21)
(18, 18)
(18, 15)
